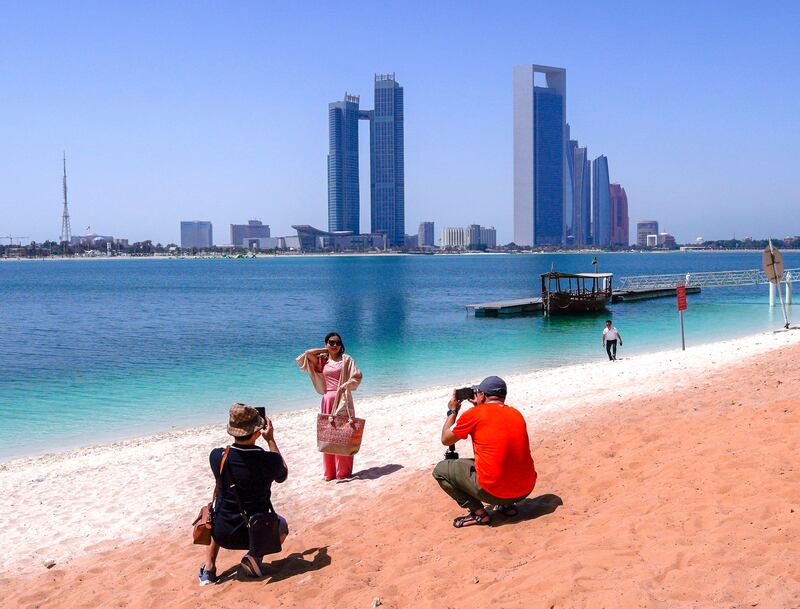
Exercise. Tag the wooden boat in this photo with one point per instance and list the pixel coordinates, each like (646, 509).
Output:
(575, 293)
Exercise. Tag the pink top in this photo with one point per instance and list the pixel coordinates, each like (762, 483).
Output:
(332, 373)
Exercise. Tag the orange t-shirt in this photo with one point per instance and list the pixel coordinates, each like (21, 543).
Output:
(503, 458)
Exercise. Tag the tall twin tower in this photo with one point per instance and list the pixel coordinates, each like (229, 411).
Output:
(387, 181)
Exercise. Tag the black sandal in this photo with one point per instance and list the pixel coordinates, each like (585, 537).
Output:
(509, 511)
(252, 567)
(472, 519)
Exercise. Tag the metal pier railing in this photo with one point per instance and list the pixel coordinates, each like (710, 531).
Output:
(707, 279)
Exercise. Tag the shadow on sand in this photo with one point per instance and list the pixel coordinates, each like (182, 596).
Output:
(373, 473)
(283, 568)
(530, 509)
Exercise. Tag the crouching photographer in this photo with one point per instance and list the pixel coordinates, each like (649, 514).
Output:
(502, 471)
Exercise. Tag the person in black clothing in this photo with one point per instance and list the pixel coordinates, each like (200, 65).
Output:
(253, 470)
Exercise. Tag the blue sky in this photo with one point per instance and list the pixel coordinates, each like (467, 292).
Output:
(195, 110)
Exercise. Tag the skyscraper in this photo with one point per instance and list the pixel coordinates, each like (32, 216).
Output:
(343, 189)
(387, 164)
(583, 195)
(539, 154)
(569, 190)
(601, 202)
(620, 232)
(196, 234)
(426, 235)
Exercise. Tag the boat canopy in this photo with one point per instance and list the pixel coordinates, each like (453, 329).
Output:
(578, 275)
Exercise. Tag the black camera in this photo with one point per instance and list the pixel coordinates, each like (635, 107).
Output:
(451, 452)
(465, 393)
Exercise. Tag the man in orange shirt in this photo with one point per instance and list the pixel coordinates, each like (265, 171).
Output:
(502, 471)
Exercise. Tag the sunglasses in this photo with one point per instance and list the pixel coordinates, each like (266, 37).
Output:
(335, 343)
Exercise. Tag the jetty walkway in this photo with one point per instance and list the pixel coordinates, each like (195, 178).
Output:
(645, 287)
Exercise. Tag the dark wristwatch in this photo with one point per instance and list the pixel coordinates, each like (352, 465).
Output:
(451, 411)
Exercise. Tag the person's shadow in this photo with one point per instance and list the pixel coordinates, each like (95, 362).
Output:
(283, 568)
(373, 473)
(530, 509)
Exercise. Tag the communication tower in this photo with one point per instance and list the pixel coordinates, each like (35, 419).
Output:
(66, 230)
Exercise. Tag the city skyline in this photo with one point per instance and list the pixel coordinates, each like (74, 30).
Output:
(159, 128)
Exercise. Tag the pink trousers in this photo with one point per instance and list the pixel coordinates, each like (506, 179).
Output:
(334, 466)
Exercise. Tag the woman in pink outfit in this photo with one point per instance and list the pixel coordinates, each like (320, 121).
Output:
(335, 375)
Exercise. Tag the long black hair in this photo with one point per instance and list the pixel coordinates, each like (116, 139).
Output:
(329, 334)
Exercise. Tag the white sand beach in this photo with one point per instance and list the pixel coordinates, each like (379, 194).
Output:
(97, 498)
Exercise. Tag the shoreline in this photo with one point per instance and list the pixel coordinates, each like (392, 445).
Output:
(300, 256)
(156, 434)
(117, 493)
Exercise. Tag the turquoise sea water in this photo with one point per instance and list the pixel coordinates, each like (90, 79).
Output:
(99, 350)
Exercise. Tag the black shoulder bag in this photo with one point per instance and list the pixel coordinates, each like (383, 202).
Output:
(263, 529)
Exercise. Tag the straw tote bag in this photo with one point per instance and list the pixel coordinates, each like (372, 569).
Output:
(339, 434)
(201, 527)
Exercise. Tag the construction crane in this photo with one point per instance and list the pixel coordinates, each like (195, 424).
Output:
(11, 239)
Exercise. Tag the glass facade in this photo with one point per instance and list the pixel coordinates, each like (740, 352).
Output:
(548, 189)
(620, 231)
(582, 222)
(343, 189)
(196, 234)
(426, 236)
(570, 212)
(387, 164)
(601, 203)
(542, 180)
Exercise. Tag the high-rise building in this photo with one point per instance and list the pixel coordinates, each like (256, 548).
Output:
(601, 203)
(644, 228)
(473, 236)
(196, 234)
(582, 193)
(387, 163)
(343, 189)
(569, 189)
(254, 229)
(426, 236)
(540, 99)
(620, 232)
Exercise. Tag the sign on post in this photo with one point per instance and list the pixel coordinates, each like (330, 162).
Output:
(773, 263)
(773, 269)
(680, 291)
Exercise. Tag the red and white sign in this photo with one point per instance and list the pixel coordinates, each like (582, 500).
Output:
(681, 292)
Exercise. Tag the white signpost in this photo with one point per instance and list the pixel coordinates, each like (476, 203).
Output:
(773, 269)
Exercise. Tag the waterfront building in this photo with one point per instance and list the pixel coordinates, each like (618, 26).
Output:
(582, 193)
(569, 189)
(93, 240)
(387, 161)
(310, 239)
(411, 241)
(196, 234)
(644, 228)
(254, 229)
(343, 188)
(540, 97)
(620, 232)
(666, 240)
(601, 203)
(473, 236)
(426, 234)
